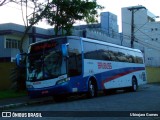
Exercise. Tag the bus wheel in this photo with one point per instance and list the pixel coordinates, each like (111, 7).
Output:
(134, 84)
(92, 89)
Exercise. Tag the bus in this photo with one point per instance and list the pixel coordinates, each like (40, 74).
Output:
(67, 65)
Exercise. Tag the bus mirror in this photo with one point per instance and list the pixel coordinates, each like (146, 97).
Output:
(20, 59)
(64, 50)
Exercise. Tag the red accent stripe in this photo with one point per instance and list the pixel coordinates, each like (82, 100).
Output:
(117, 76)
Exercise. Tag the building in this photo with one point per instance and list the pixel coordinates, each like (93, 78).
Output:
(145, 30)
(10, 36)
(146, 34)
(109, 24)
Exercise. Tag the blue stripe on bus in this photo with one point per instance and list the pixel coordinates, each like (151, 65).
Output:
(81, 82)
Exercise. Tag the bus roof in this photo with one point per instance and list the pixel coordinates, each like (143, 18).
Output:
(45, 40)
(109, 44)
(89, 40)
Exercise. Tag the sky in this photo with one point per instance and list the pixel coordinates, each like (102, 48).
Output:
(11, 13)
(114, 6)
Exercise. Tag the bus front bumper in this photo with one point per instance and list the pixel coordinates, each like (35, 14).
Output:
(49, 91)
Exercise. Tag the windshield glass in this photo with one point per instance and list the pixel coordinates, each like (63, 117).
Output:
(45, 62)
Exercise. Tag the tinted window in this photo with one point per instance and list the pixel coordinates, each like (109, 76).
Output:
(75, 58)
(102, 52)
(131, 56)
(90, 51)
(113, 52)
(139, 57)
(122, 55)
(110, 53)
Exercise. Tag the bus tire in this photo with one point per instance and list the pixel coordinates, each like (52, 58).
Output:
(134, 87)
(92, 89)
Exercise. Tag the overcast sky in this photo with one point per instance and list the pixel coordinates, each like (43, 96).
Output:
(114, 6)
(10, 13)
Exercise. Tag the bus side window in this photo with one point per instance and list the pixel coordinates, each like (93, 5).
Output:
(90, 51)
(122, 55)
(131, 57)
(102, 52)
(139, 58)
(75, 58)
(113, 53)
(74, 64)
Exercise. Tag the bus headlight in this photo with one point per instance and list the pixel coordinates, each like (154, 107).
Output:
(62, 81)
(29, 86)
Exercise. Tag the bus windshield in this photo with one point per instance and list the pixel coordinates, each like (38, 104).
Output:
(45, 62)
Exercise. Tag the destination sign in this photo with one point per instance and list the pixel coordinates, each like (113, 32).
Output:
(45, 45)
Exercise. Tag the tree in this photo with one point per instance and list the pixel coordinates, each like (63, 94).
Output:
(60, 13)
(3, 2)
(32, 12)
(38, 9)
(64, 13)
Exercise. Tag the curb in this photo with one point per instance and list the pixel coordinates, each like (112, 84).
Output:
(11, 106)
(144, 87)
(45, 100)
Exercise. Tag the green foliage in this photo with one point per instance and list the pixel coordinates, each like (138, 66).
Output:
(60, 13)
(11, 94)
(63, 13)
(32, 16)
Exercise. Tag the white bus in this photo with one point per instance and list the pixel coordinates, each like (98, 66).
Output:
(67, 65)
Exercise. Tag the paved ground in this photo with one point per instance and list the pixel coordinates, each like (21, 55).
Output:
(146, 99)
(23, 101)
(11, 103)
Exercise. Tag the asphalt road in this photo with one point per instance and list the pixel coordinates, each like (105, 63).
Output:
(145, 100)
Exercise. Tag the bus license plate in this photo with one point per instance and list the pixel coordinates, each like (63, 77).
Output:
(44, 92)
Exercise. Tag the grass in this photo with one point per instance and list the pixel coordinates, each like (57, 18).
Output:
(11, 94)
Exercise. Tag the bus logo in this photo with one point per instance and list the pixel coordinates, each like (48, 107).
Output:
(103, 65)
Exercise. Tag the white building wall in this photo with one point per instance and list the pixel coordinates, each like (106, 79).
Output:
(140, 17)
(147, 37)
(99, 35)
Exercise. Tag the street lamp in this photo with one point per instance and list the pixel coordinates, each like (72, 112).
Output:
(136, 8)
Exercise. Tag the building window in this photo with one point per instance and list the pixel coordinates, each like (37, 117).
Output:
(12, 43)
